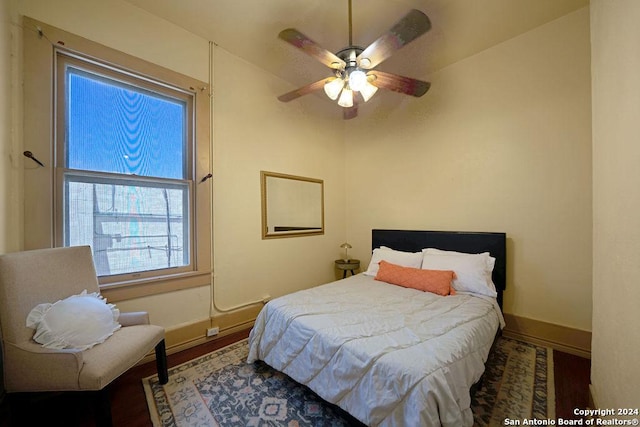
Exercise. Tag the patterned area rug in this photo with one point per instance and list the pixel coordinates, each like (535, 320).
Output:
(518, 384)
(220, 389)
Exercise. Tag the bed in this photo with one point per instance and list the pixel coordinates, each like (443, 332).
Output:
(392, 355)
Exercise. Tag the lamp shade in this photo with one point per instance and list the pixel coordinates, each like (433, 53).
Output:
(333, 88)
(368, 91)
(346, 248)
(357, 80)
(346, 98)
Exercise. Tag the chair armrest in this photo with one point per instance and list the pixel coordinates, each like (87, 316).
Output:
(134, 318)
(31, 367)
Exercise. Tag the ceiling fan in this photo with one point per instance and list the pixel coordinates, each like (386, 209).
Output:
(355, 76)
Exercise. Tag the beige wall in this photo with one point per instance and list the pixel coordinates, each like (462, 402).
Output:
(5, 121)
(10, 160)
(615, 373)
(120, 25)
(253, 132)
(501, 142)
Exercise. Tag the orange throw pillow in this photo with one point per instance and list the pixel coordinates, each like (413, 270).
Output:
(435, 281)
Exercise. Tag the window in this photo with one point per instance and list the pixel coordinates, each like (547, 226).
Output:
(126, 136)
(124, 169)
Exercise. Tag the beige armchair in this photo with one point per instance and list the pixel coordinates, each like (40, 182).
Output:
(47, 275)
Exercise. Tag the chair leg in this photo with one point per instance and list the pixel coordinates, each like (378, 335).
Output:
(161, 363)
(102, 405)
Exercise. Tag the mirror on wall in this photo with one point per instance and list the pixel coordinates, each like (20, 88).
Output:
(291, 205)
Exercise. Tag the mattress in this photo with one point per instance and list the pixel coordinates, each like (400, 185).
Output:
(388, 355)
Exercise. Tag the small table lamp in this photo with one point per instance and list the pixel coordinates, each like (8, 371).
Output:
(346, 248)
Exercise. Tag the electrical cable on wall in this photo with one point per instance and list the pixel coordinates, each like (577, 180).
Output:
(213, 308)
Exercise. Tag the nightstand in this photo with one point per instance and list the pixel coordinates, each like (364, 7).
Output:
(350, 265)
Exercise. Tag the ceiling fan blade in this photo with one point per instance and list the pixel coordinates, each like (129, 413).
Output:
(349, 113)
(401, 84)
(311, 48)
(411, 26)
(305, 90)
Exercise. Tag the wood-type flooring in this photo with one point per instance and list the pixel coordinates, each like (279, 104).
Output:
(129, 405)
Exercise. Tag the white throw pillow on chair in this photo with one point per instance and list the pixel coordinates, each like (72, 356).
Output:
(79, 322)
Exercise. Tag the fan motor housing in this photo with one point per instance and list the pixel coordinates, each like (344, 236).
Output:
(349, 55)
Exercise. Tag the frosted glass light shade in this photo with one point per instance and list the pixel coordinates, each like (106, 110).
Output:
(333, 88)
(357, 80)
(368, 91)
(346, 246)
(346, 98)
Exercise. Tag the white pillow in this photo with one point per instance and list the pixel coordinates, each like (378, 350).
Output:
(491, 261)
(78, 322)
(473, 271)
(404, 259)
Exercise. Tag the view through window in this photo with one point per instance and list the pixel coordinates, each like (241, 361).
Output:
(125, 184)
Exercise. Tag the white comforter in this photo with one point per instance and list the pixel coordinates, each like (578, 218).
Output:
(388, 355)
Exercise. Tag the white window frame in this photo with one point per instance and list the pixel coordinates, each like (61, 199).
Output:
(44, 104)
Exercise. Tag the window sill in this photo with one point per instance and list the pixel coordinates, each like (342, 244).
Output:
(122, 291)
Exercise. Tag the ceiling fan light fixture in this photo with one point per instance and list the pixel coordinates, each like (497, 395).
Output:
(346, 98)
(333, 88)
(368, 91)
(353, 68)
(357, 79)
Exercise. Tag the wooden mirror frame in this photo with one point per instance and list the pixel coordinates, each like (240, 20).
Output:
(295, 227)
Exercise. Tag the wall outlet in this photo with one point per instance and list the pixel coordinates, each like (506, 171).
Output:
(213, 331)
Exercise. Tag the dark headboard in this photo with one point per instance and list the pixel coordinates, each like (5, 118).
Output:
(470, 242)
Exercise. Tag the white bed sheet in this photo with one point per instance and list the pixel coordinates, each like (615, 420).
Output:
(388, 355)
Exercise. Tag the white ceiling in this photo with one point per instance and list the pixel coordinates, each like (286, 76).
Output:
(460, 28)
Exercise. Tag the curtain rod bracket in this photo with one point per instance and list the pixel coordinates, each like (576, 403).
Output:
(29, 154)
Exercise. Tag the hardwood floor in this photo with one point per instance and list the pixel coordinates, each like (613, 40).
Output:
(129, 405)
(572, 378)
(128, 401)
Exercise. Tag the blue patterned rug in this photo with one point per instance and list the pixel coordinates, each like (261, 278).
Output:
(220, 389)
(518, 384)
